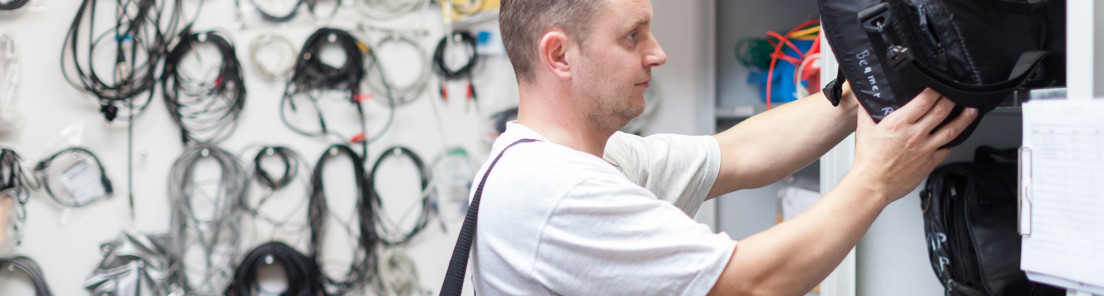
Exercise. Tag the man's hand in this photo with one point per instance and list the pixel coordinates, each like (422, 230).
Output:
(890, 160)
(893, 156)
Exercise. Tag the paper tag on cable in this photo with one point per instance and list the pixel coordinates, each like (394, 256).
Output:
(82, 180)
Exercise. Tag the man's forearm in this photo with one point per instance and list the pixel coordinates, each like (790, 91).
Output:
(794, 256)
(769, 146)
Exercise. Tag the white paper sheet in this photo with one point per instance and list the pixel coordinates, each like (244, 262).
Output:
(1062, 212)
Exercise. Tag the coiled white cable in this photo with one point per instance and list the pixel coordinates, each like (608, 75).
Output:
(381, 81)
(285, 62)
(9, 78)
(398, 275)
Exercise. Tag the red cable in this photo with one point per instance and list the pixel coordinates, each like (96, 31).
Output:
(778, 50)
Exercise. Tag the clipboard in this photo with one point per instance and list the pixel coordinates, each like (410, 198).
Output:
(1061, 193)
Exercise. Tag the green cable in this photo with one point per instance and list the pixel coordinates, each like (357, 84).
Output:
(754, 52)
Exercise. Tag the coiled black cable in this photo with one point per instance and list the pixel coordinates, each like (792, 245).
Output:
(42, 170)
(447, 73)
(205, 111)
(139, 44)
(15, 183)
(304, 278)
(442, 68)
(278, 18)
(288, 157)
(270, 183)
(390, 237)
(311, 73)
(364, 258)
(311, 76)
(31, 269)
(13, 5)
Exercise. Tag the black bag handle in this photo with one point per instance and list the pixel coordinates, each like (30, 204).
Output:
(985, 97)
(458, 265)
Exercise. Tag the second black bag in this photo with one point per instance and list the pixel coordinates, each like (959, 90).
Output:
(970, 227)
(974, 52)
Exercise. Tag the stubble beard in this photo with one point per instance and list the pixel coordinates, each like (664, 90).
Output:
(608, 112)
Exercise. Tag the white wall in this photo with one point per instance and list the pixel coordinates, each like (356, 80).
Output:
(65, 242)
(682, 29)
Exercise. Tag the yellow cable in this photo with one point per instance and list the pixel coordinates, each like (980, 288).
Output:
(808, 31)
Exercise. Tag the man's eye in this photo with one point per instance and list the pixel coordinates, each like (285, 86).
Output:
(632, 37)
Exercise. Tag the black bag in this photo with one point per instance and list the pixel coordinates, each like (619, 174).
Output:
(974, 52)
(970, 227)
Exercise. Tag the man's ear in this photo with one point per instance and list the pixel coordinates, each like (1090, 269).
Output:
(554, 48)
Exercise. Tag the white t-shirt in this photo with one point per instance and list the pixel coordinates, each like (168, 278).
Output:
(557, 221)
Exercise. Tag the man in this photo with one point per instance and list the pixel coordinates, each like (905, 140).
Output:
(586, 210)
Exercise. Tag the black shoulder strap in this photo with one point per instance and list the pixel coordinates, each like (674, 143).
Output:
(458, 265)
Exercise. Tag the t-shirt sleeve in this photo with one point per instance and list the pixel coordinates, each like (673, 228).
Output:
(677, 168)
(609, 237)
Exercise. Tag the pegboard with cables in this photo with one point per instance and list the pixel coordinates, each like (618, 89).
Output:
(180, 92)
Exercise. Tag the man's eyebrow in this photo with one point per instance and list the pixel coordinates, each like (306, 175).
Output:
(637, 23)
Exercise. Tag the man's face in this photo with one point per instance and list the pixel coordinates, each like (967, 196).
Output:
(616, 63)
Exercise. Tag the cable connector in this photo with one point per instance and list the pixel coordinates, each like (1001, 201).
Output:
(358, 138)
(109, 111)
